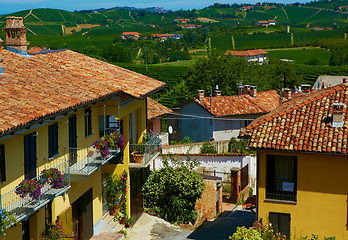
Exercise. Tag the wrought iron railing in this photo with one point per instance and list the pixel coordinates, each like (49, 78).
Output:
(144, 152)
(23, 207)
(284, 196)
(84, 161)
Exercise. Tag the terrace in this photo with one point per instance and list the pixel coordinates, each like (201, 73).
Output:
(23, 207)
(143, 153)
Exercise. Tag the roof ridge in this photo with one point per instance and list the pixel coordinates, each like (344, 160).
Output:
(300, 105)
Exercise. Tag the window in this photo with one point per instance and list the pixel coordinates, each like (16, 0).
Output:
(2, 164)
(281, 177)
(280, 222)
(53, 140)
(88, 122)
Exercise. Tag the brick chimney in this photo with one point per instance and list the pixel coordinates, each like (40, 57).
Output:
(246, 89)
(16, 38)
(240, 90)
(305, 88)
(344, 80)
(200, 95)
(337, 114)
(217, 91)
(253, 91)
(287, 93)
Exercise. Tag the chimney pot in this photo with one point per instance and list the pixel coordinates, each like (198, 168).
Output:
(217, 92)
(344, 80)
(305, 88)
(240, 90)
(246, 89)
(16, 39)
(200, 95)
(287, 93)
(253, 91)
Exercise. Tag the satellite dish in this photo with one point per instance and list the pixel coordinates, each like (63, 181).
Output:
(170, 129)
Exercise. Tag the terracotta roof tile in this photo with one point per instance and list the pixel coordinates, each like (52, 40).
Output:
(155, 109)
(264, 102)
(311, 128)
(254, 52)
(45, 84)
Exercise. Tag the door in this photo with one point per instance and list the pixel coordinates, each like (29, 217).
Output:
(30, 156)
(82, 216)
(72, 140)
(25, 230)
(138, 177)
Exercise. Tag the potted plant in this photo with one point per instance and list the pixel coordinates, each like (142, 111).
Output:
(54, 231)
(53, 176)
(116, 188)
(128, 222)
(31, 187)
(7, 219)
(102, 146)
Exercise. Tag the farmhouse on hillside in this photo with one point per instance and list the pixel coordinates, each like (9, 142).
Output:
(131, 35)
(256, 55)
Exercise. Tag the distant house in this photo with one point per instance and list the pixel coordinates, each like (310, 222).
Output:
(190, 26)
(132, 35)
(182, 20)
(256, 55)
(266, 23)
(166, 36)
(325, 81)
(245, 8)
(155, 111)
(219, 117)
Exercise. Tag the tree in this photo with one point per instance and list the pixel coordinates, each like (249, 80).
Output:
(174, 190)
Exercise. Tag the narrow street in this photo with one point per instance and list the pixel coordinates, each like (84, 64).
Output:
(150, 227)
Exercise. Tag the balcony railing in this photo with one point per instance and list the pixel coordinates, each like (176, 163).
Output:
(143, 153)
(23, 207)
(283, 196)
(84, 161)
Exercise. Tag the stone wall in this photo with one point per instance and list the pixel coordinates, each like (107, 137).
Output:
(207, 207)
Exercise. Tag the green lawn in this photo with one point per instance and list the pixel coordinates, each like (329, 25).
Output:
(300, 55)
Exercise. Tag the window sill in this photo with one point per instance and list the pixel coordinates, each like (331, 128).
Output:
(279, 201)
(89, 135)
(53, 157)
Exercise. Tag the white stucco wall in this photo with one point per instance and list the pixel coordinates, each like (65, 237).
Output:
(224, 130)
(219, 163)
(221, 147)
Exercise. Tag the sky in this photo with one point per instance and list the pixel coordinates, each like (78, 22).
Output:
(10, 6)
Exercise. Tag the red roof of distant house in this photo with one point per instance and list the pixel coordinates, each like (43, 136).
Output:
(254, 52)
(262, 21)
(271, 20)
(343, 7)
(131, 33)
(36, 50)
(303, 124)
(264, 102)
(155, 109)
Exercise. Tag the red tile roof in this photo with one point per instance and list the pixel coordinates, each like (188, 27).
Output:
(36, 50)
(264, 102)
(155, 109)
(303, 124)
(131, 33)
(42, 85)
(254, 52)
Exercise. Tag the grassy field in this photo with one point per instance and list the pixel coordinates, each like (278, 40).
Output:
(300, 55)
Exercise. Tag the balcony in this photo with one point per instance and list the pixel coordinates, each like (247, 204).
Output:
(84, 161)
(23, 207)
(142, 154)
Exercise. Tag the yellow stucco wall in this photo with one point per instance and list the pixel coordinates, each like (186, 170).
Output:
(322, 188)
(14, 156)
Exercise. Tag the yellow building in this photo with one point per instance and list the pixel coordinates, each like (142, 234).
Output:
(302, 164)
(53, 106)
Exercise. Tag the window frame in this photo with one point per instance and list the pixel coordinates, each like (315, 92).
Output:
(88, 122)
(271, 192)
(53, 146)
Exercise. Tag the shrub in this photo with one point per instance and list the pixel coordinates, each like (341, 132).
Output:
(174, 190)
(207, 147)
(244, 233)
(7, 219)
(31, 187)
(54, 231)
(116, 189)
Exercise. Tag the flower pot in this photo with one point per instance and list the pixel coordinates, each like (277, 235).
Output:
(127, 225)
(112, 212)
(122, 221)
(138, 158)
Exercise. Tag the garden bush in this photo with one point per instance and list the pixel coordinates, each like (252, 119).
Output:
(207, 147)
(174, 190)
